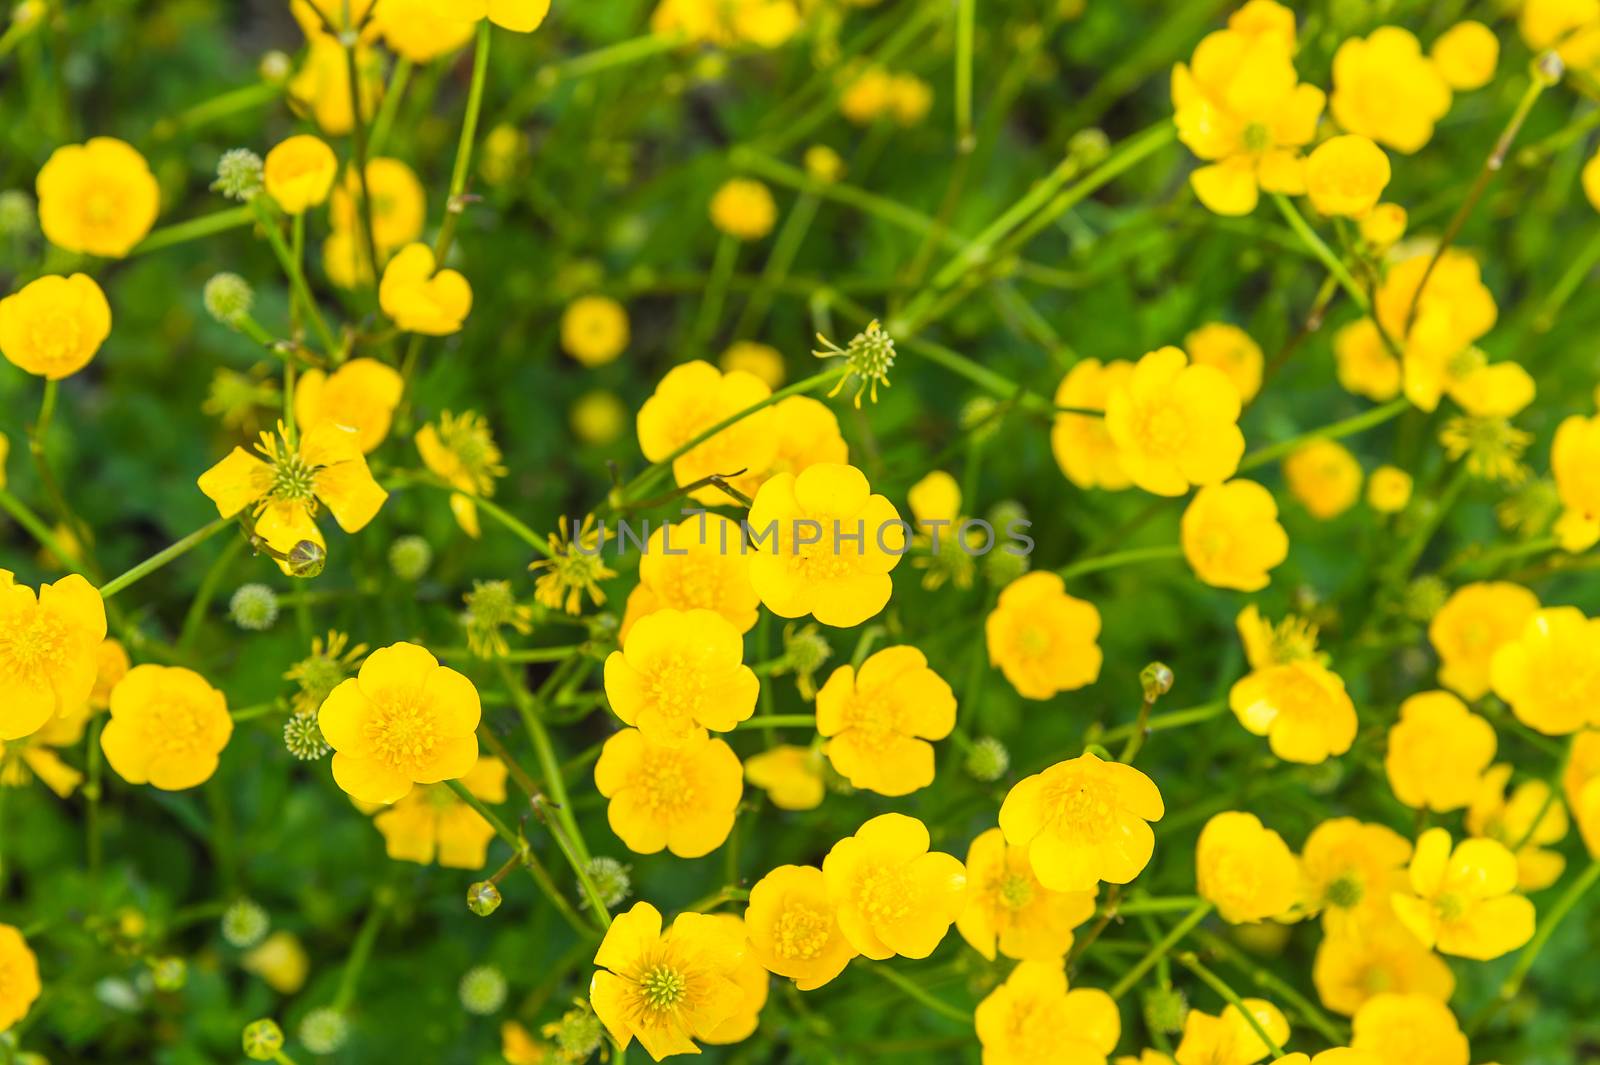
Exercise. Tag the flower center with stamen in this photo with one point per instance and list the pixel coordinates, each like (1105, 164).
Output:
(1014, 891)
(1081, 807)
(883, 894)
(676, 687)
(402, 731)
(1345, 891)
(665, 785)
(33, 642)
(662, 988)
(1452, 907)
(802, 932)
(1163, 429)
(55, 336)
(1033, 640)
(1257, 137)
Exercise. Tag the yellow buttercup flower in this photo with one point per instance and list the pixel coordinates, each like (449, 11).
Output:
(935, 498)
(1575, 463)
(1228, 1038)
(281, 961)
(1231, 536)
(1351, 869)
(1229, 349)
(1332, 1056)
(1082, 445)
(1550, 672)
(598, 417)
(666, 988)
(1324, 477)
(892, 895)
(283, 488)
(761, 360)
(1437, 751)
(1475, 622)
(791, 776)
(1461, 901)
(763, 23)
(420, 298)
(1526, 822)
(299, 173)
(1008, 910)
(1571, 27)
(1388, 489)
(824, 545)
(421, 30)
(794, 929)
(1240, 107)
(1466, 55)
(49, 645)
(1032, 1018)
(1453, 311)
(361, 394)
(1386, 89)
(431, 823)
(517, 1044)
(1382, 226)
(1591, 180)
(1364, 363)
(744, 208)
(879, 720)
(1083, 820)
(461, 449)
(681, 797)
(167, 728)
(1409, 1029)
(321, 87)
(1346, 175)
(402, 720)
(807, 433)
(1351, 969)
(594, 330)
(1043, 639)
(54, 325)
(867, 96)
(98, 198)
(1302, 708)
(519, 16)
(679, 673)
(1245, 869)
(399, 205)
(691, 399)
(19, 977)
(317, 16)
(697, 564)
(753, 981)
(1175, 425)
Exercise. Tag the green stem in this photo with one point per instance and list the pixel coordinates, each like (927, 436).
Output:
(1174, 719)
(359, 130)
(784, 250)
(196, 614)
(1122, 558)
(469, 134)
(1216, 983)
(1574, 276)
(37, 529)
(1270, 983)
(229, 103)
(297, 281)
(527, 535)
(1159, 904)
(359, 953)
(1320, 249)
(965, 18)
(399, 78)
(769, 721)
(162, 557)
(1160, 950)
(92, 794)
(705, 323)
(1547, 927)
(194, 229)
(1334, 431)
(915, 991)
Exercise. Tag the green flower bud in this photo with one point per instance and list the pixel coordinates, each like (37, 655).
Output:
(324, 1030)
(302, 737)
(228, 298)
(244, 924)
(254, 607)
(611, 879)
(1156, 680)
(410, 557)
(169, 973)
(262, 1039)
(17, 215)
(1165, 1010)
(307, 560)
(987, 759)
(482, 990)
(1425, 597)
(238, 174)
(275, 66)
(483, 898)
(578, 1033)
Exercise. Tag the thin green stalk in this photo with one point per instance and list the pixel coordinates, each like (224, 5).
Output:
(162, 557)
(1189, 961)
(469, 130)
(1333, 431)
(358, 125)
(92, 793)
(229, 103)
(1265, 980)
(1319, 247)
(1160, 950)
(297, 280)
(37, 438)
(1548, 923)
(194, 229)
(1133, 555)
(361, 951)
(722, 266)
(784, 250)
(965, 18)
(770, 721)
(527, 535)
(36, 528)
(611, 56)
(196, 614)
(916, 991)
(399, 78)
(1571, 279)
(1193, 715)
(1154, 904)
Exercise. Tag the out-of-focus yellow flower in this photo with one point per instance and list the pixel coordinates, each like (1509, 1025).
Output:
(681, 797)
(1301, 707)
(666, 989)
(793, 928)
(1324, 477)
(1043, 640)
(879, 720)
(321, 87)
(281, 961)
(1083, 820)
(744, 208)
(1240, 107)
(461, 449)
(519, 1047)
(167, 728)
(1229, 349)
(1438, 750)
(1571, 27)
(1527, 821)
(1550, 672)
(1245, 869)
(1591, 180)
(1388, 489)
(1082, 445)
(1575, 462)
(317, 16)
(98, 198)
(1032, 1018)
(519, 16)
(1351, 870)
(432, 823)
(763, 23)
(1474, 623)
(361, 394)
(823, 164)
(419, 297)
(893, 895)
(1350, 969)
(399, 205)
(1466, 55)
(20, 988)
(598, 417)
(54, 326)
(1462, 901)
(1230, 1039)
(1009, 910)
(826, 545)
(935, 498)
(753, 981)
(761, 360)
(402, 720)
(422, 30)
(679, 673)
(1365, 365)
(1266, 644)
(1580, 781)
(910, 98)
(699, 563)
(692, 398)
(868, 95)
(1346, 175)
(1383, 225)
(1265, 19)
(791, 776)
(49, 645)
(1454, 310)
(1386, 89)
(299, 173)
(284, 487)
(5, 454)
(1175, 425)
(1231, 536)
(807, 434)
(594, 330)
(504, 148)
